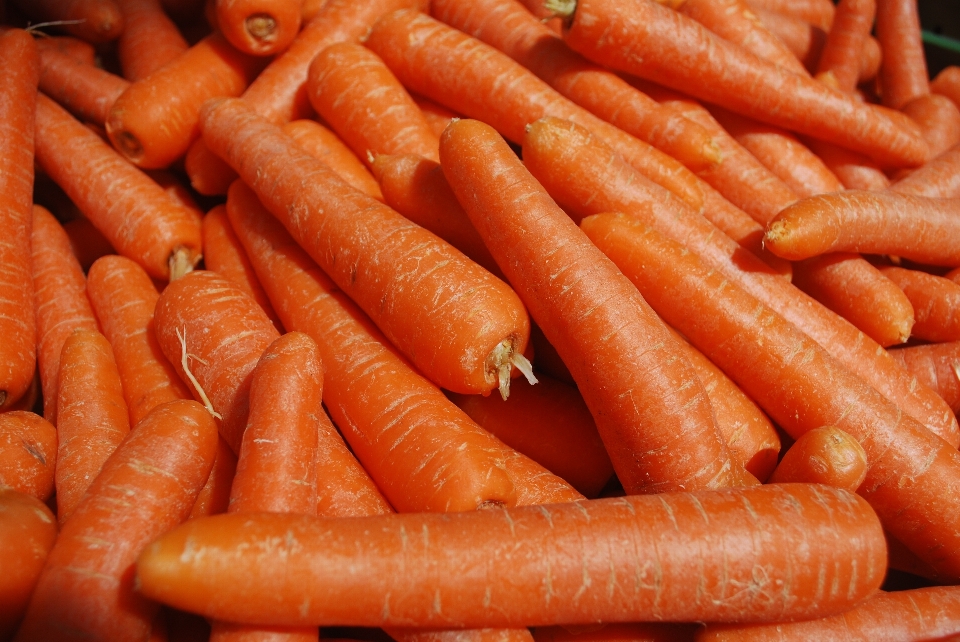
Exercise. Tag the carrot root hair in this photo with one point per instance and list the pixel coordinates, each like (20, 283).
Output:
(502, 360)
(184, 361)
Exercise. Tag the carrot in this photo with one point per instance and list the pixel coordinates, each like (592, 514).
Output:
(635, 41)
(939, 120)
(388, 265)
(903, 72)
(924, 613)
(430, 58)
(508, 26)
(824, 455)
(85, 90)
(856, 290)
(149, 40)
(213, 333)
(936, 365)
(797, 382)
(947, 83)
(28, 530)
(86, 589)
(854, 170)
(319, 141)
(259, 27)
(935, 300)
(626, 365)
(87, 242)
(591, 539)
(438, 116)
(353, 90)
(28, 453)
(224, 255)
(919, 228)
(938, 178)
(388, 412)
(79, 50)
(554, 151)
(817, 12)
(19, 74)
(61, 304)
(94, 20)
(840, 57)
(131, 210)
(550, 423)
(123, 299)
(214, 497)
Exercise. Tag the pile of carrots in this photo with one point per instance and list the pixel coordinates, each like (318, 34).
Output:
(469, 320)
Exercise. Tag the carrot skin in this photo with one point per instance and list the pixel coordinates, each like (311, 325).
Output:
(824, 455)
(935, 300)
(214, 497)
(852, 24)
(259, 27)
(321, 142)
(903, 72)
(149, 40)
(85, 90)
(947, 83)
(96, 21)
(938, 178)
(28, 453)
(939, 121)
(935, 366)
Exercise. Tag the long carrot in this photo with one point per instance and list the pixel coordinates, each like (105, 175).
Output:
(934, 299)
(553, 151)
(840, 57)
(86, 589)
(938, 178)
(903, 72)
(624, 361)
(131, 210)
(97, 21)
(604, 560)
(149, 40)
(319, 141)
(824, 455)
(388, 265)
(259, 27)
(19, 73)
(85, 90)
(430, 58)
(28, 453)
(939, 121)
(214, 497)
(854, 170)
(635, 41)
(936, 365)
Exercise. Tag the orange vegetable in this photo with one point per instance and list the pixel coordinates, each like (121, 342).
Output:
(149, 40)
(28, 453)
(93, 20)
(824, 455)
(87, 91)
(319, 141)
(903, 72)
(840, 57)
(259, 27)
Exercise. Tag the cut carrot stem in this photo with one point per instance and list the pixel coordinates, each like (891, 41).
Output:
(124, 298)
(939, 121)
(935, 300)
(624, 361)
(20, 73)
(635, 41)
(92, 416)
(938, 178)
(852, 24)
(146, 488)
(96, 21)
(259, 27)
(936, 365)
(319, 141)
(132, 211)
(903, 72)
(198, 563)
(388, 265)
(824, 455)
(84, 90)
(149, 40)
(28, 453)
(919, 228)
(429, 57)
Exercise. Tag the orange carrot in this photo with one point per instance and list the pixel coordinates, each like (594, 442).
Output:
(947, 83)
(854, 170)
(361, 99)
(224, 255)
(123, 298)
(919, 228)
(213, 333)
(79, 50)
(319, 141)
(92, 416)
(154, 121)
(903, 72)
(430, 58)
(93, 20)
(939, 120)
(259, 27)
(436, 114)
(938, 178)
(618, 539)
(214, 497)
(623, 359)
(824, 455)
(86, 241)
(387, 264)
(61, 304)
(635, 41)
(936, 365)
(19, 71)
(28, 453)
(840, 57)
(131, 210)
(935, 300)
(28, 531)
(85, 90)
(817, 12)
(146, 488)
(149, 40)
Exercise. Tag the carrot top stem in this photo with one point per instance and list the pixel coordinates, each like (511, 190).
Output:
(262, 26)
(562, 9)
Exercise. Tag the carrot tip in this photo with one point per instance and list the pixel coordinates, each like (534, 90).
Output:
(262, 27)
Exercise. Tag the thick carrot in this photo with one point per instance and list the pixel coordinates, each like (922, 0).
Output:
(854, 170)
(602, 560)
(939, 120)
(947, 83)
(799, 383)
(213, 333)
(824, 455)
(623, 359)
(422, 451)
(61, 304)
(359, 97)
(28, 453)
(319, 141)
(919, 228)
(935, 300)
(840, 57)
(508, 26)
(903, 72)
(938, 178)
(85, 90)
(817, 12)
(96, 21)
(86, 589)
(131, 210)
(124, 298)
(703, 65)
(553, 151)
(936, 365)
(431, 58)
(154, 121)
(259, 27)
(224, 255)
(149, 40)
(400, 274)
(28, 530)
(19, 74)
